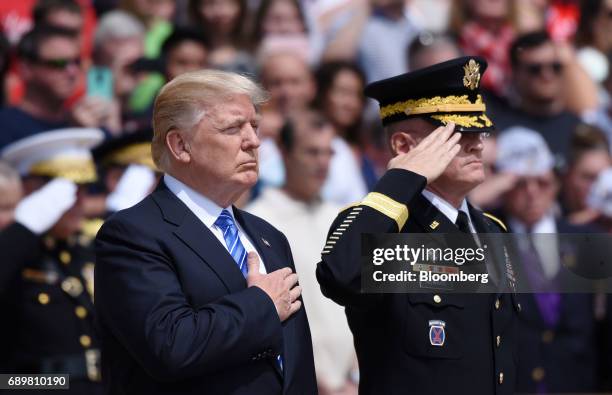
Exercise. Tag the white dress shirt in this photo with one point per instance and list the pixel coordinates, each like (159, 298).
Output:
(546, 246)
(208, 211)
(447, 209)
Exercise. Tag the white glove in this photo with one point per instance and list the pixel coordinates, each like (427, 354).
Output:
(135, 183)
(40, 210)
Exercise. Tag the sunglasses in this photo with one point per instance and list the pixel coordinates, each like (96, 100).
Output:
(537, 69)
(59, 64)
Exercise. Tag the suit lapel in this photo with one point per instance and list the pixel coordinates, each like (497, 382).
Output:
(272, 261)
(196, 236)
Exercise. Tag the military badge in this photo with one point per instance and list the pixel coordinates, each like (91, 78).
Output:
(509, 271)
(437, 335)
(434, 224)
(266, 242)
(471, 79)
(72, 286)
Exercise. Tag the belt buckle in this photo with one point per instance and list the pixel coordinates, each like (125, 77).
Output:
(92, 362)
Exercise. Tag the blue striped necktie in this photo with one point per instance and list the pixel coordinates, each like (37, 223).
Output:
(226, 223)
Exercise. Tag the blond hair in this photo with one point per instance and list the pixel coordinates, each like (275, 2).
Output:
(182, 102)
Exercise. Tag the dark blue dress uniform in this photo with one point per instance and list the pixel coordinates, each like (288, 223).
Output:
(392, 331)
(47, 285)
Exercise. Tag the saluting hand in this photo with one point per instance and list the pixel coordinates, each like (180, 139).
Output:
(280, 286)
(432, 155)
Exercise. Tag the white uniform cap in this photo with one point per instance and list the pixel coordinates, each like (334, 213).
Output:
(56, 153)
(523, 152)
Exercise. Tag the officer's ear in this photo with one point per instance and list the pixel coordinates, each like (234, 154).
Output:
(402, 142)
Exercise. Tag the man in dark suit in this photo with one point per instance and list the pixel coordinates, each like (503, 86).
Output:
(195, 296)
(558, 331)
(433, 169)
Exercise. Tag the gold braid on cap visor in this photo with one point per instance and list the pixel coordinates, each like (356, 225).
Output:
(133, 154)
(439, 104)
(80, 171)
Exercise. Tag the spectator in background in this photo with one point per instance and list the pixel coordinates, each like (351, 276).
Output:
(60, 13)
(486, 28)
(185, 50)
(489, 194)
(595, 31)
(298, 211)
(428, 49)
(371, 31)
(600, 201)
(557, 331)
(11, 192)
(156, 16)
(50, 65)
(292, 87)
(589, 155)
(285, 74)
(539, 102)
(118, 43)
(340, 98)
(288, 78)
(223, 23)
(594, 42)
(4, 67)
(276, 19)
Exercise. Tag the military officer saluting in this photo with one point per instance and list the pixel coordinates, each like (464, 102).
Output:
(126, 169)
(47, 265)
(426, 343)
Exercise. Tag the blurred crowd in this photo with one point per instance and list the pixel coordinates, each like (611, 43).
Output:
(548, 89)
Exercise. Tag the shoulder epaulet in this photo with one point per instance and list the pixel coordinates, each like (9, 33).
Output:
(349, 206)
(497, 221)
(91, 227)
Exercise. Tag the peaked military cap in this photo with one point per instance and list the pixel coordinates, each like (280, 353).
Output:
(125, 150)
(56, 153)
(442, 93)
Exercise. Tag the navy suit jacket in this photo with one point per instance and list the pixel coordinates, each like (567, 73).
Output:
(563, 358)
(176, 315)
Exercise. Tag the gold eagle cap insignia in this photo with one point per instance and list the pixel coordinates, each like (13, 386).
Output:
(471, 79)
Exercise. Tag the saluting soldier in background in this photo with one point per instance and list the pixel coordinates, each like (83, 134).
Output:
(46, 276)
(126, 171)
(435, 120)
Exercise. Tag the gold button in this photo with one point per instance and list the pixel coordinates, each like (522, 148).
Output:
(80, 312)
(501, 377)
(85, 341)
(498, 340)
(497, 304)
(65, 257)
(538, 374)
(437, 299)
(43, 298)
(72, 286)
(548, 336)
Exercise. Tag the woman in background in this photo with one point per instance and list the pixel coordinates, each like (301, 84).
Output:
(340, 98)
(222, 22)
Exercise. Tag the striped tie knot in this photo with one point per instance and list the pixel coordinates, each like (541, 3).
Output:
(225, 221)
